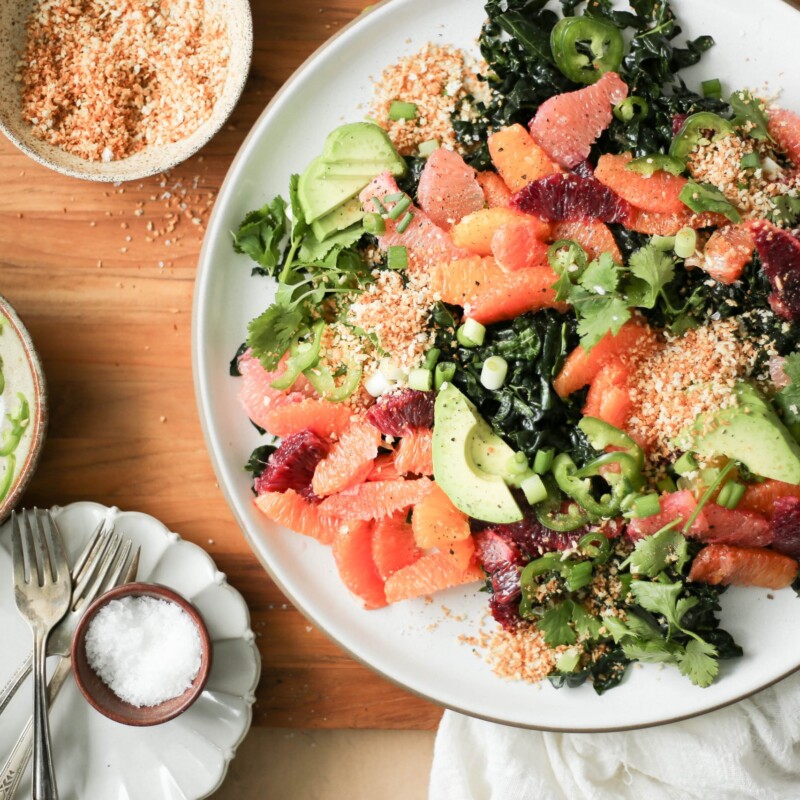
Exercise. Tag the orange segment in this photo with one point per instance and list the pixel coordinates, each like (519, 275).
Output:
(728, 252)
(659, 192)
(352, 551)
(581, 367)
(518, 159)
(784, 127)
(321, 416)
(414, 454)
(761, 497)
(430, 573)
(476, 230)
(375, 499)
(295, 512)
(519, 246)
(489, 294)
(744, 566)
(349, 461)
(591, 234)
(655, 224)
(437, 522)
(393, 545)
(608, 398)
(495, 191)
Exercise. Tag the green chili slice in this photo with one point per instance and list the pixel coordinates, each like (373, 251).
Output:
(584, 48)
(703, 125)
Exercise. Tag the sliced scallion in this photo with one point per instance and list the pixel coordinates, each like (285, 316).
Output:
(493, 373)
(712, 88)
(444, 373)
(405, 222)
(374, 224)
(534, 489)
(685, 242)
(400, 207)
(426, 148)
(647, 505)
(397, 257)
(400, 110)
(420, 379)
(543, 460)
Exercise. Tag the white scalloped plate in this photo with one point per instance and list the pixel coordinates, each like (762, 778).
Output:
(754, 46)
(185, 759)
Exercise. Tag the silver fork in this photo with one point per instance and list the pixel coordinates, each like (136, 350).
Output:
(42, 589)
(83, 579)
(119, 571)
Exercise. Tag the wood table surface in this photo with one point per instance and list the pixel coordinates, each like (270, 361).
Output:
(103, 277)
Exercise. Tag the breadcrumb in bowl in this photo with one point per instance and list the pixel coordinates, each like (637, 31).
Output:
(120, 112)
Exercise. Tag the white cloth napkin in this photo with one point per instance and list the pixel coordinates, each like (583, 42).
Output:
(750, 750)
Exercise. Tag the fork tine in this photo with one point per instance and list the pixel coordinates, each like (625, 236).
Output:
(133, 567)
(18, 551)
(115, 570)
(58, 555)
(88, 552)
(91, 567)
(47, 572)
(115, 543)
(31, 549)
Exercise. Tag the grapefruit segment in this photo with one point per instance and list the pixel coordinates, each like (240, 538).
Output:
(659, 192)
(414, 454)
(744, 566)
(761, 497)
(476, 231)
(375, 499)
(593, 236)
(295, 512)
(674, 506)
(349, 461)
(519, 246)
(495, 192)
(448, 189)
(437, 522)
(320, 416)
(384, 469)
(567, 125)
(393, 545)
(784, 127)
(736, 526)
(728, 251)
(518, 158)
(352, 552)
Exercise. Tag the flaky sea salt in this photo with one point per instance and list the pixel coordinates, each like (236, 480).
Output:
(145, 650)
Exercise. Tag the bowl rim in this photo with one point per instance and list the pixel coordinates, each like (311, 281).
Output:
(146, 715)
(41, 412)
(71, 171)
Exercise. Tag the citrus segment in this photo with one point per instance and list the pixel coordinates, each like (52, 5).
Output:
(609, 398)
(375, 499)
(448, 189)
(518, 158)
(476, 231)
(728, 251)
(437, 522)
(414, 453)
(784, 127)
(567, 125)
(655, 224)
(320, 416)
(431, 573)
(295, 512)
(659, 192)
(593, 236)
(393, 545)
(352, 552)
(744, 566)
(761, 497)
(519, 245)
(495, 191)
(384, 468)
(349, 461)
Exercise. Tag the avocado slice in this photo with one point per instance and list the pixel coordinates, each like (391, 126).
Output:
(467, 456)
(352, 156)
(342, 217)
(750, 432)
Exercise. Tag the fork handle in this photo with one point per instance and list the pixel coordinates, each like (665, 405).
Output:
(14, 682)
(13, 770)
(44, 779)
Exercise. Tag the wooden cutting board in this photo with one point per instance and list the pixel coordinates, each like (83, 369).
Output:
(103, 277)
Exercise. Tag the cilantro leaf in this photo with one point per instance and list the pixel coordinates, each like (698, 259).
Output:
(598, 316)
(652, 651)
(313, 251)
(299, 224)
(750, 114)
(785, 211)
(701, 197)
(587, 625)
(653, 554)
(260, 235)
(651, 270)
(270, 334)
(698, 662)
(555, 624)
(659, 598)
(601, 276)
(788, 398)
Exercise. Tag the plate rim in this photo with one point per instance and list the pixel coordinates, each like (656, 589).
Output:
(204, 266)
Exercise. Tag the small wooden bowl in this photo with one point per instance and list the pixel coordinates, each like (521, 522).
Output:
(100, 696)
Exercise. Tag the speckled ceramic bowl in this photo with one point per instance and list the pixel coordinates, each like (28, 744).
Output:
(102, 698)
(23, 396)
(150, 160)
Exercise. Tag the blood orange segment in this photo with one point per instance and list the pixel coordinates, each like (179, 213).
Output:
(393, 545)
(567, 125)
(448, 189)
(779, 251)
(349, 461)
(489, 294)
(321, 416)
(761, 497)
(352, 551)
(295, 512)
(581, 367)
(744, 566)
(476, 231)
(784, 127)
(609, 398)
(495, 192)
(429, 574)
(437, 522)
(426, 242)
(375, 499)
(674, 506)
(659, 192)
(518, 158)
(592, 235)
(736, 526)
(519, 246)
(384, 469)
(414, 453)
(728, 251)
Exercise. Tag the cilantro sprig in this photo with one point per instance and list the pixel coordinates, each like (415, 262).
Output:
(788, 398)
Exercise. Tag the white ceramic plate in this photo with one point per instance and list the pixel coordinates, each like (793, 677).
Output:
(414, 643)
(185, 759)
